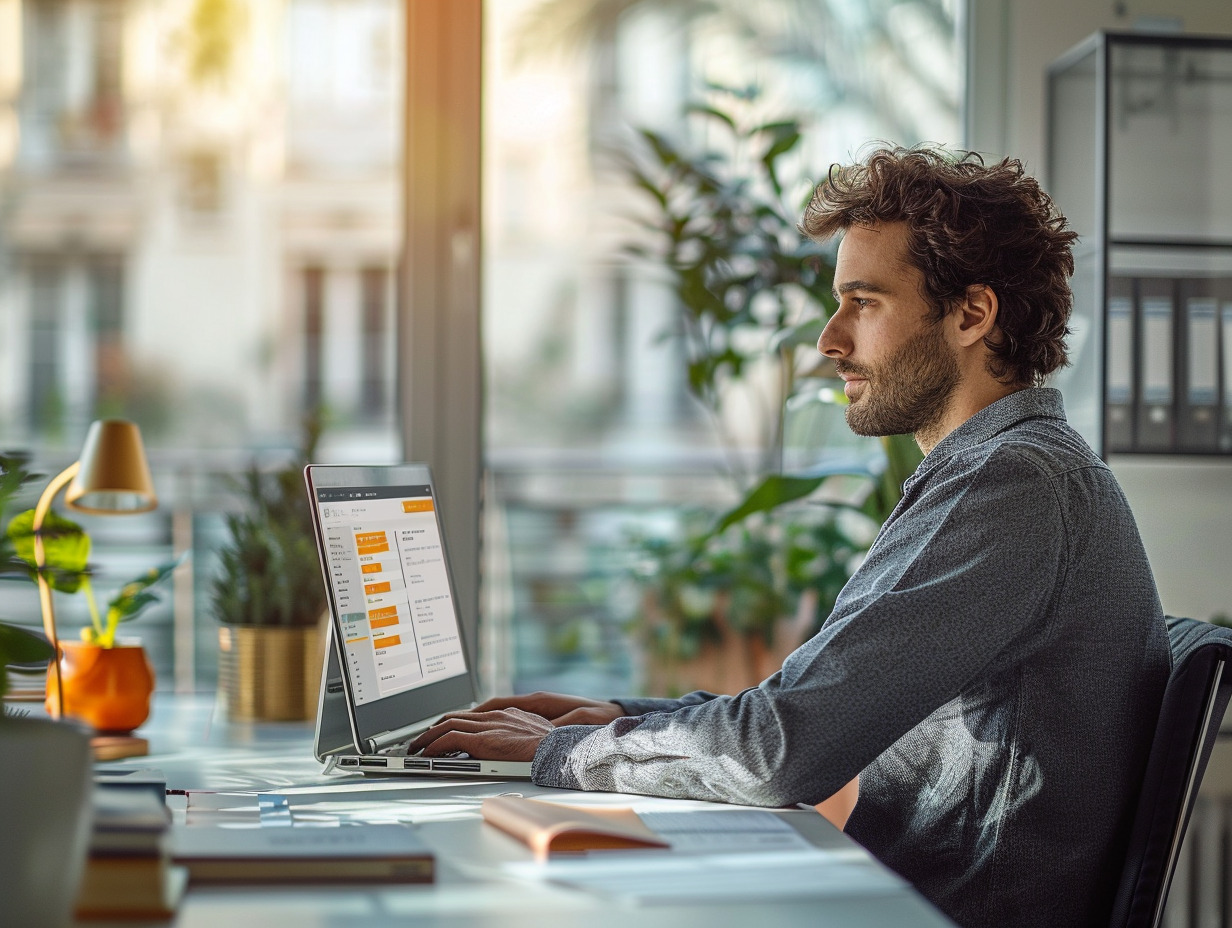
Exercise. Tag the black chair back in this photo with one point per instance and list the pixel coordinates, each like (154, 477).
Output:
(1189, 719)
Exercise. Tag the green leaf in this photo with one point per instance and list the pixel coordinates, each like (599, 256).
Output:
(771, 493)
(804, 333)
(133, 599)
(703, 110)
(19, 646)
(65, 544)
(779, 128)
(903, 455)
(13, 477)
(644, 182)
(662, 148)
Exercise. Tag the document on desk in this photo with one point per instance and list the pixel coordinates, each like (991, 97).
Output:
(726, 855)
(728, 830)
(662, 877)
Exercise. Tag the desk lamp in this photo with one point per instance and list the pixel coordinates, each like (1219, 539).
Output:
(110, 477)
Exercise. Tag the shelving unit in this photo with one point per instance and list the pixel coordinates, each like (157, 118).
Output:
(1139, 138)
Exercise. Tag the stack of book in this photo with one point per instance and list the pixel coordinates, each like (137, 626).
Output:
(129, 872)
(347, 852)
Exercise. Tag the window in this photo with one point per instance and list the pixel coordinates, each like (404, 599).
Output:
(591, 435)
(197, 227)
(202, 229)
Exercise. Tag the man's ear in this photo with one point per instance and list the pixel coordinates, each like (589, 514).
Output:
(976, 316)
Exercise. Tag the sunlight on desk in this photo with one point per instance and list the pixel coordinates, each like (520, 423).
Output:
(487, 878)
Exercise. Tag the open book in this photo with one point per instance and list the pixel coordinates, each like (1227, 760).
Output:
(547, 826)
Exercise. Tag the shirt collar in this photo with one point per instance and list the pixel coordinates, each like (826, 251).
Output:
(1028, 403)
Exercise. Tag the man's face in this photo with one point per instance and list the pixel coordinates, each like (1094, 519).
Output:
(900, 370)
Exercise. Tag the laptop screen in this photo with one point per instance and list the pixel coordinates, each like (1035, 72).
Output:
(395, 616)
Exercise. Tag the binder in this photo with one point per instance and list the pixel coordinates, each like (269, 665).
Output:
(1199, 382)
(1155, 419)
(1119, 387)
(1225, 369)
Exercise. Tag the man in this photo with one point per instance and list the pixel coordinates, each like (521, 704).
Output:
(994, 669)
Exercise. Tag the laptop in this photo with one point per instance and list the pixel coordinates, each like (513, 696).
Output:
(396, 659)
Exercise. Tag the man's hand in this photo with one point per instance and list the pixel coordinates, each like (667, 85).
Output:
(558, 709)
(501, 734)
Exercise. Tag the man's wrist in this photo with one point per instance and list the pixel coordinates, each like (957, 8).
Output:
(644, 705)
(551, 765)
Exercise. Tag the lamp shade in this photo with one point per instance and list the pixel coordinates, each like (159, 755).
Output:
(114, 476)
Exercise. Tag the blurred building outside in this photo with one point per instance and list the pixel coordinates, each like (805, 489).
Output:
(200, 223)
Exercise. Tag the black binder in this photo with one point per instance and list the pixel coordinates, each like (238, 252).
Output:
(1198, 383)
(1155, 419)
(1225, 370)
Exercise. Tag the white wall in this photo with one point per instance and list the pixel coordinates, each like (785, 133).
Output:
(1183, 505)
(1014, 41)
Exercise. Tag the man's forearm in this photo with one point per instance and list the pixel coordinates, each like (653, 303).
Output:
(703, 751)
(642, 705)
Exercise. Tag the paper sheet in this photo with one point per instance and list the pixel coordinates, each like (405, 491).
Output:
(728, 830)
(728, 854)
(666, 877)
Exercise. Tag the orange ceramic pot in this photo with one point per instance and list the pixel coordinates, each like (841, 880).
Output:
(108, 688)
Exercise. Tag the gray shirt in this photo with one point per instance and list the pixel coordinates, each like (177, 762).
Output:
(992, 671)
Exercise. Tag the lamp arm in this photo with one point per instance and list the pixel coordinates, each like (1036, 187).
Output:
(40, 562)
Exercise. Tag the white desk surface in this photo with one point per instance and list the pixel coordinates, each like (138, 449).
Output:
(198, 750)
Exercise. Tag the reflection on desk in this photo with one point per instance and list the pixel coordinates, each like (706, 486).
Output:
(485, 877)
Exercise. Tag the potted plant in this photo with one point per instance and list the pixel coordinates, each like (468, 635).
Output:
(105, 681)
(727, 597)
(45, 773)
(269, 598)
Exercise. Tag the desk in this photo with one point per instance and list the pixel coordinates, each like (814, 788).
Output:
(197, 750)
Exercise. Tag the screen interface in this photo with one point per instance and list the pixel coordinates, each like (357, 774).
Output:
(399, 627)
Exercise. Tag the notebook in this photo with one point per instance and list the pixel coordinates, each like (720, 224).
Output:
(396, 659)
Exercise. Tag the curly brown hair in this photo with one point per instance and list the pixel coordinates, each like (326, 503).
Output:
(968, 224)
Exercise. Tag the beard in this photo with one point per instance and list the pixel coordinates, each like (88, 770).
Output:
(907, 393)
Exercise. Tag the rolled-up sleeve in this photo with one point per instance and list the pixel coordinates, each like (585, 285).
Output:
(967, 566)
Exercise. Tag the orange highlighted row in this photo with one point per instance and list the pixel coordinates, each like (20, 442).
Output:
(383, 622)
(417, 505)
(382, 613)
(371, 542)
(373, 588)
(389, 642)
(373, 568)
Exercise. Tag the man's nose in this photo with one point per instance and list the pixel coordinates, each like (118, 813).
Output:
(833, 342)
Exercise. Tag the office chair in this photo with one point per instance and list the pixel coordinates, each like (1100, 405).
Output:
(1189, 719)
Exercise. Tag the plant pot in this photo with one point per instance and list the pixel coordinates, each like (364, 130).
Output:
(732, 660)
(45, 780)
(269, 673)
(107, 688)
